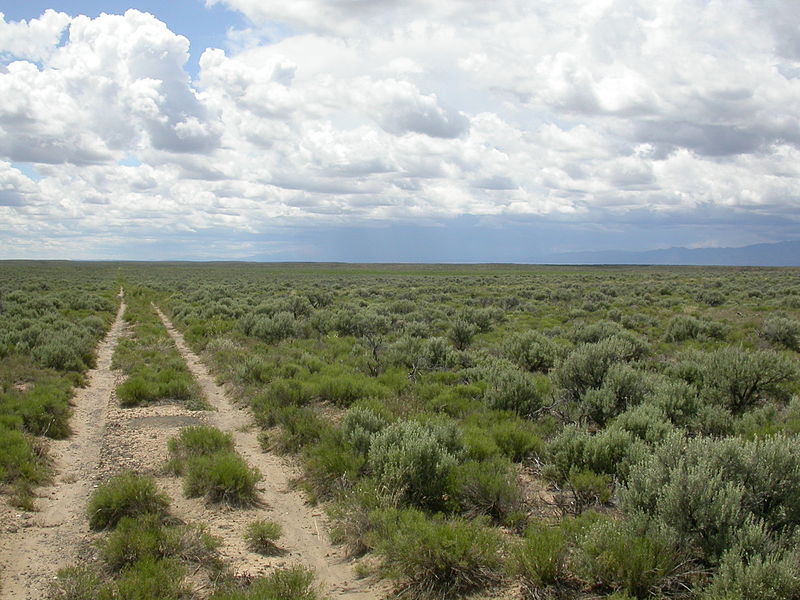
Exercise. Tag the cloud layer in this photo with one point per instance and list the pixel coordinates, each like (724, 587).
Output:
(610, 114)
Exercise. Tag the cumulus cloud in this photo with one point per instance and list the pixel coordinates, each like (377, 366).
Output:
(356, 111)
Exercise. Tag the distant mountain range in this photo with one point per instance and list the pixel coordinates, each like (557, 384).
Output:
(781, 254)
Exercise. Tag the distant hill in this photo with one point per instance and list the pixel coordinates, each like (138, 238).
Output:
(781, 254)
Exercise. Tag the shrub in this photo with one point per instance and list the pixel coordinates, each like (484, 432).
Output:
(782, 331)
(486, 488)
(516, 440)
(705, 489)
(738, 378)
(646, 421)
(221, 477)
(151, 579)
(261, 536)
(437, 354)
(125, 495)
(300, 427)
(80, 582)
(461, 333)
(516, 391)
(586, 367)
(295, 583)
(596, 332)
(632, 556)
(413, 460)
(332, 463)
(273, 329)
(435, 558)
(200, 440)
(541, 559)
(135, 539)
(344, 390)
(612, 451)
(136, 390)
(758, 577)
(359, 424)
(589, 488)
(18, 458)
(530, 350)
(681, 328)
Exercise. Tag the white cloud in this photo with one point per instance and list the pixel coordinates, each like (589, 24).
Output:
(364, 110)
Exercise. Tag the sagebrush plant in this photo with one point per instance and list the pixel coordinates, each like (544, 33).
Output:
(221, 477)
(294, 583)
(125, 495)
(261, 536)
(413, 459)
(436, 558)
(540, 559)
(194, 441)
(149, 536)
(634, 556)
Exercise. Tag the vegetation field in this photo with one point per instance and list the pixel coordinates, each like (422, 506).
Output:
(514, 431)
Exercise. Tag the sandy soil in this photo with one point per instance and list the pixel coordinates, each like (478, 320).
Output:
(305, 537)
(33, 546)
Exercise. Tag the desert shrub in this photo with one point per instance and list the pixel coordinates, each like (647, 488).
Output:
(414, 460)
(261, 536)
(290, 392)
(332, 463)
(436, 558)
(705, 489)
(125, 495)
(632, 556)
(437, 354)
(711, 297)
(485, 488)
(359, 424)
(150, 579)
(757, 577)
(681, 328)
(81, 582)
(596, 332)
(345, 389)
(194, 441)
(677, 399)
(586, 367)
(530, 350)
(300, 427)
(622, 387)
(517, 440)
(738, 378)
(64, 353)
(221, 477)
(461, 333)
(19, 459)
(612, 452)
(135, 539)
(782, 331)
(136, 390)
(540, 560)
(273, 329)
(588, 488)
(515, 391)
(294, 583)
(646, 421)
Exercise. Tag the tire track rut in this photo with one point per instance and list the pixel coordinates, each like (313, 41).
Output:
(36, 546)
(304, 528)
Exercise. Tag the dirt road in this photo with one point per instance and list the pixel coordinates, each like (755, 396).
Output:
(33, 546)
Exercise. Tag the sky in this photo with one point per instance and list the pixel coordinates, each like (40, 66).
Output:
(395, 130)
